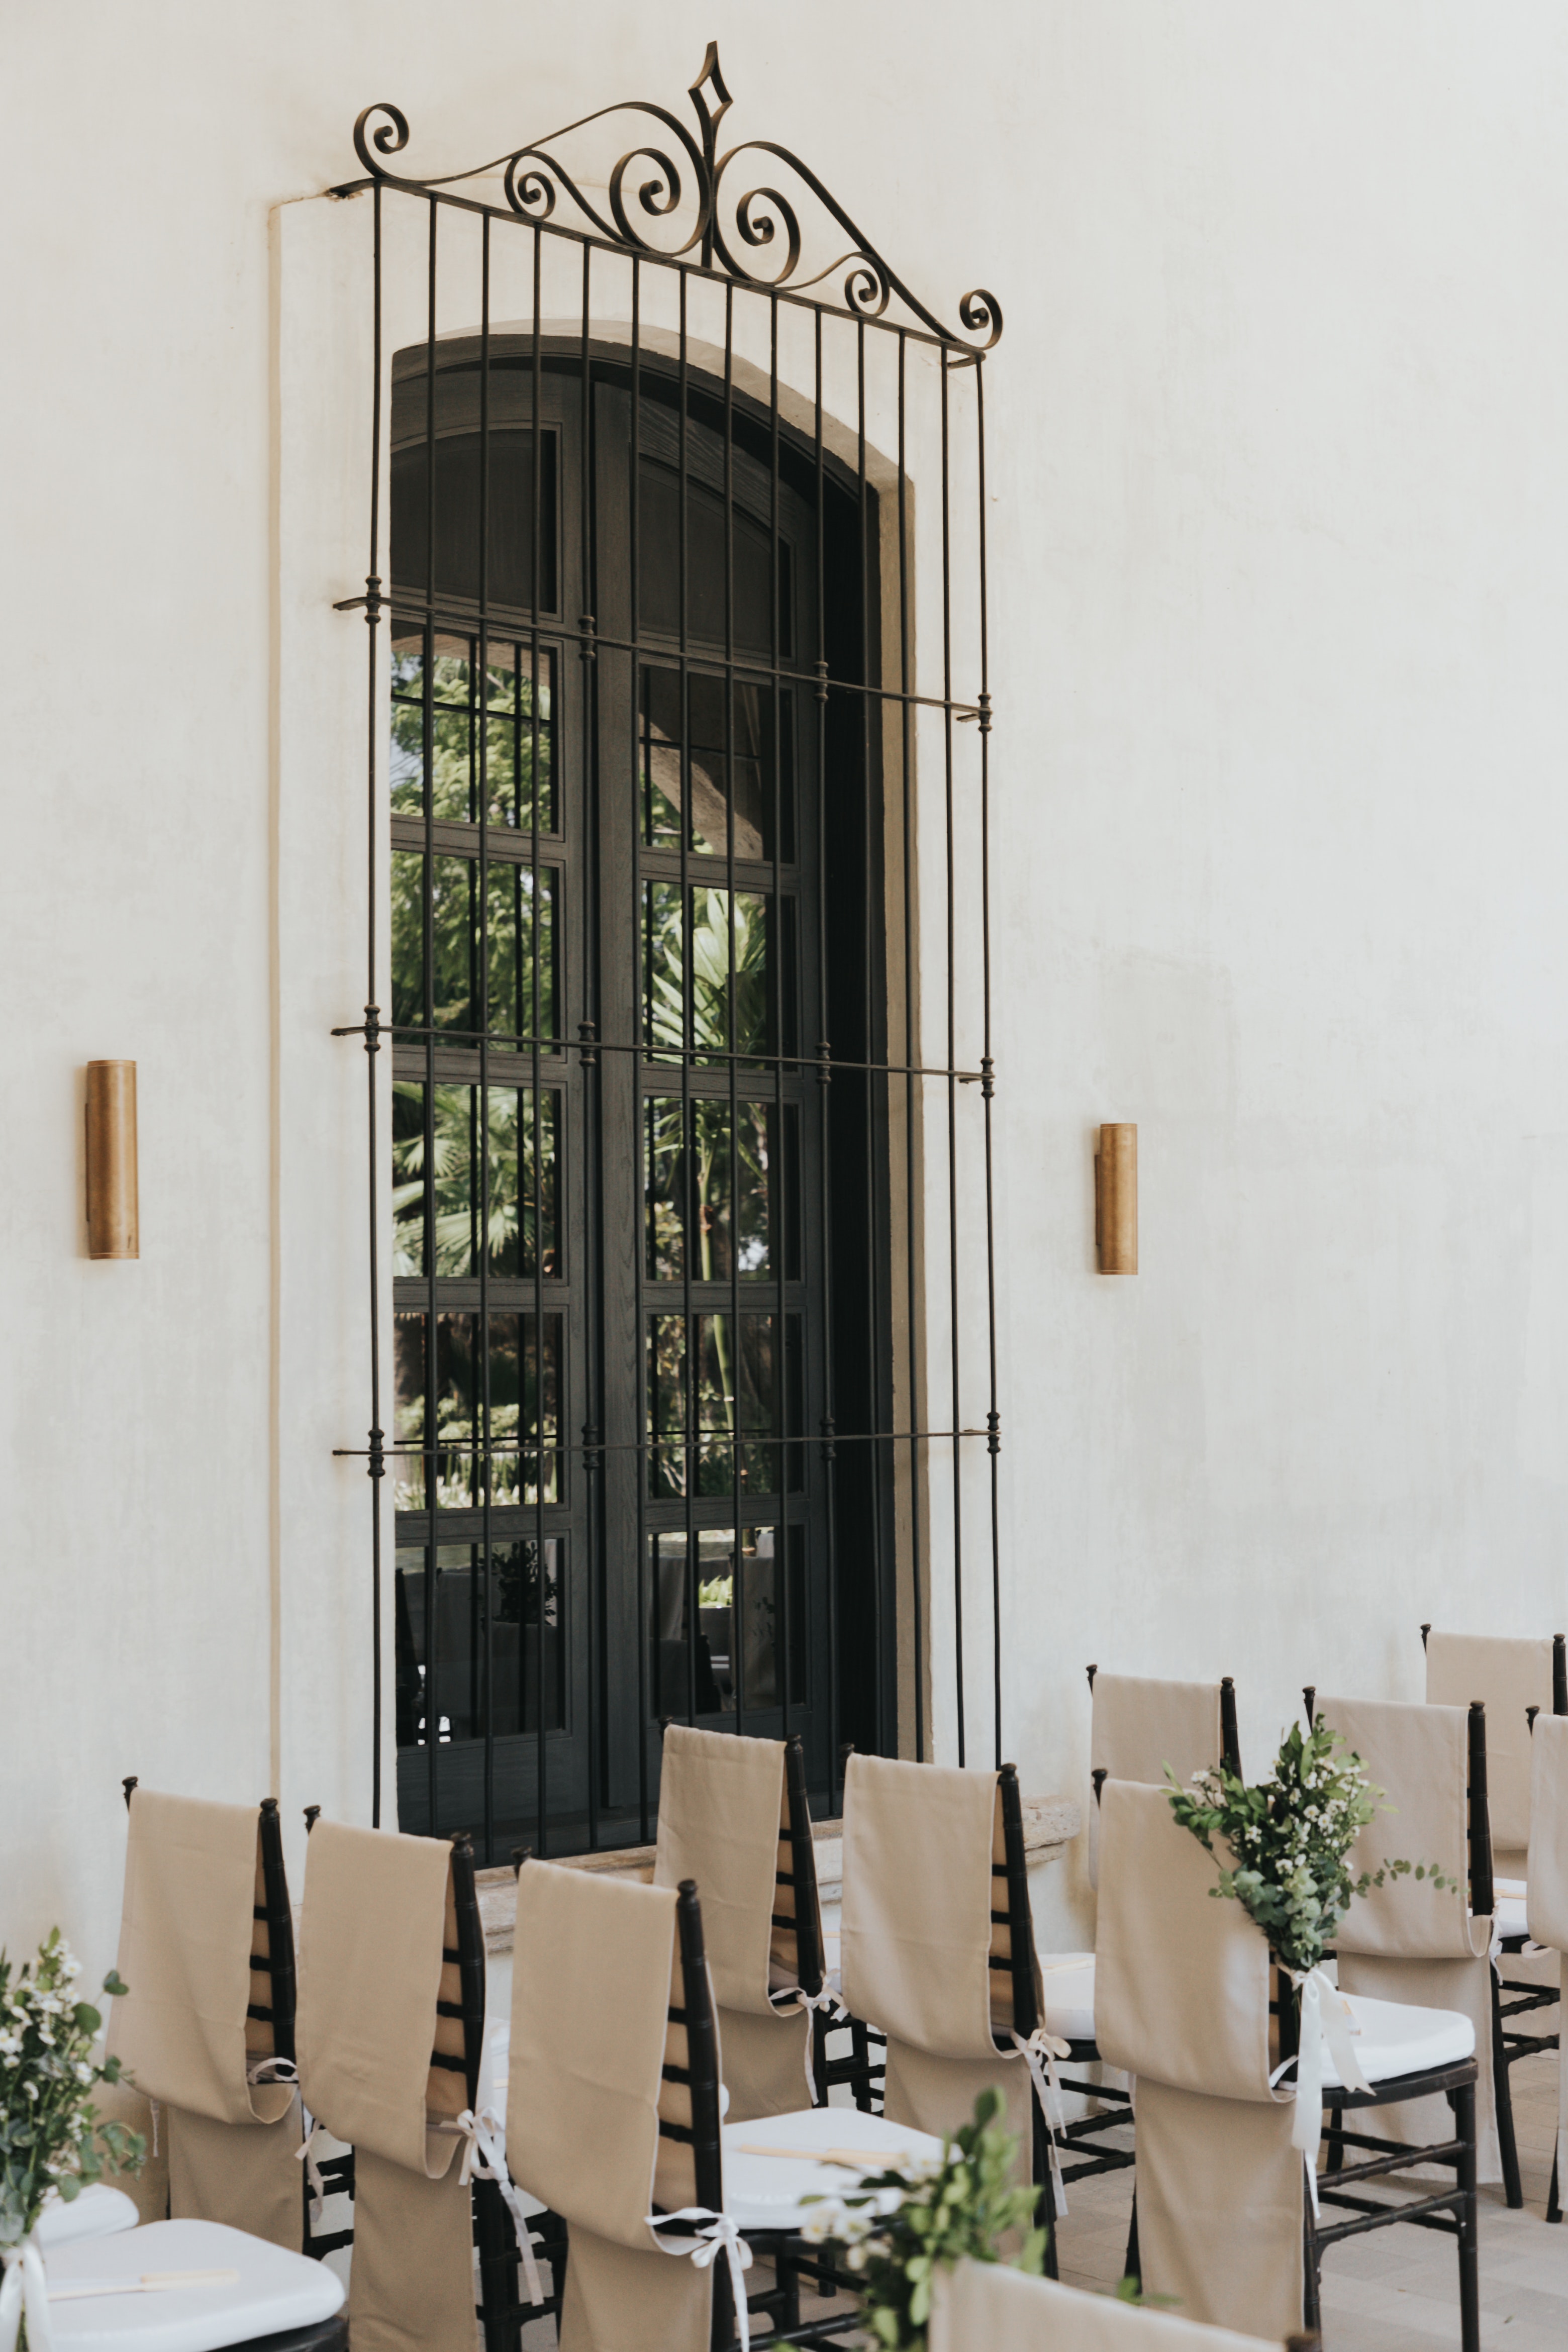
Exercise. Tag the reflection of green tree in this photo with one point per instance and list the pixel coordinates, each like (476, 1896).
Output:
(507, 719)
(518, 1201)
(715, 1181)
(505, 727)
(518, 1410)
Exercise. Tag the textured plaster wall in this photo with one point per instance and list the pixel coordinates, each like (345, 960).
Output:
(1279, 523)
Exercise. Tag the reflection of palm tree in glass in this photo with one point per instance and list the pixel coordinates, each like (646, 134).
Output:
(723, 1161)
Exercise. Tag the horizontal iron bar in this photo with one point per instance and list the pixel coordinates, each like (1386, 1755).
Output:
(447, 619)
(656, 1058)
(505, 1447)
(960, 352)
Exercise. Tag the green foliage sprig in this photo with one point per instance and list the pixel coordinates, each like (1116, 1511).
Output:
(1290, 1836)
(50, 2135)
(902, 2225)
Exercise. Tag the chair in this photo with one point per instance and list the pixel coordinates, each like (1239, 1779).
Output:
(987, 2305)
(1516, 1681)
(929, 1955)
(1138, 1724)
(733, 1815)
(206, 2029)
(1408, 1941)
(612, 2118)
(99, 2211)
(1223, 2221)
(391, 2035)
(278, 2302)
(1548, 1896)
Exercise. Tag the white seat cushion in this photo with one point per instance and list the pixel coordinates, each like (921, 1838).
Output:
(1395, 2038)
(275, 2290)
(100, 2212)
(1509, 1916)
(1068, 1980)
(762, 2191)
(1511, 1887)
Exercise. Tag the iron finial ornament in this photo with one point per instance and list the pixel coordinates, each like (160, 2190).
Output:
(763, 220)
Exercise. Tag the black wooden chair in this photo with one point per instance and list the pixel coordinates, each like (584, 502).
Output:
(1451, 2211)
(502, 2312)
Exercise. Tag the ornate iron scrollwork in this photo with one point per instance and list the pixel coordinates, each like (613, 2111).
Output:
(762, 219)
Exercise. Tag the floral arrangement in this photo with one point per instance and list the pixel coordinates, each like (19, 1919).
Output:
(50, 2135)
(1290, 1836)
(900, 2226)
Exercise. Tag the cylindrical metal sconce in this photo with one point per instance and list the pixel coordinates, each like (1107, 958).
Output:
(1116, 1198)
(113, 1228)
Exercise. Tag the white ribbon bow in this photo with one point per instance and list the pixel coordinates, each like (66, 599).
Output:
(827, 2000)
(305, 2154)
(271, 2070)
(1049, 2091)
(718, 2234)
(1325, 2017)
(484, 2155)
(25, 2286)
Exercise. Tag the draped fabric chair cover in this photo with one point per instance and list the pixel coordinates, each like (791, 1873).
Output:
(917, 1940)
(724, 1819)
(193, 1880)
(1181, 2003)
(595, 1970)
(1548, 1877)
(1407, 1940)
(986, 2307)
(377, 1915)
(1141, 1723)
(1508, 1676)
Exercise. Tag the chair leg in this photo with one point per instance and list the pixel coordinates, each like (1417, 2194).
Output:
(1133, 2267)
(1503, 2100)
(1312, 2281)
(1463, 2103)
(1554, 2210)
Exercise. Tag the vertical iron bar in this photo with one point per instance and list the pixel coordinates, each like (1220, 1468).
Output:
(643, 1386)
(691, 1350)
(951, 1064)
(777, 1203)
(481, 686)
(432, 1348)
(376, 1467)
(737, 1565)
(987, 1083)
(594, 1159)
(541, 1557)
(910, 1056)
(825, 1076)
(868, 1050)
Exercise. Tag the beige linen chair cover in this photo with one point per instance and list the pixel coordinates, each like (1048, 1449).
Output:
(723, 1821)
(148, 2189)
(595, 1969)
(1141, 1723)
(1181, 2002)
(1548, 1878)
(193, 1880)
(986, 2307)
(1510, 1675)
(377, 1913)
(917, 1940)
(1412, 1942)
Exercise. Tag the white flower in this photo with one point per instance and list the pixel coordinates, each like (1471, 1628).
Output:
(854, 2259)
(83, 2072)
(29, 2090)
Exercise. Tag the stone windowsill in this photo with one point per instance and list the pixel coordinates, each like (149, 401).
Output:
(1049, 1824)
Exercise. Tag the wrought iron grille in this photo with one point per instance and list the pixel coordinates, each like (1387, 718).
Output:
(693, 1295)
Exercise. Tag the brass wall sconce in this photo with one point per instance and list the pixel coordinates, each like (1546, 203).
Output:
(113, 1228)
(1116, 1198)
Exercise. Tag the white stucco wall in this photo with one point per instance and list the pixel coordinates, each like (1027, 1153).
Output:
(1279, 524)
